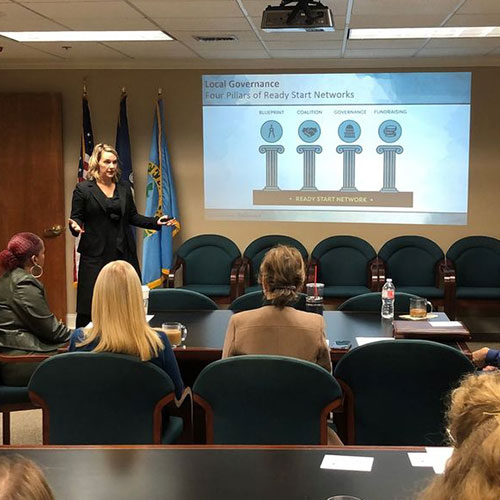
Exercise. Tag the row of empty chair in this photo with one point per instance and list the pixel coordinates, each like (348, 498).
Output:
(468, 273)
(393, 393)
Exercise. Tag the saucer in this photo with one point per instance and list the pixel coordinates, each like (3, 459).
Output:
(407, 316)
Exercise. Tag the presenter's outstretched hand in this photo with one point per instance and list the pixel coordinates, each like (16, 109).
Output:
(75, 226)
(165, 220)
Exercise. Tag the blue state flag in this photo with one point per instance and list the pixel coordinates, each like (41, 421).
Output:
(157, 252)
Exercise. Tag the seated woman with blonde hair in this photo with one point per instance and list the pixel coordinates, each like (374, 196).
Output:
(278, 328)
(119, 323)
(473, 471)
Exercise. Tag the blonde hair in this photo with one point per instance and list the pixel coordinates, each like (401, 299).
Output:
(118, 318)
(22, 479)
(282, 275)
(93, 172)
(474, 425)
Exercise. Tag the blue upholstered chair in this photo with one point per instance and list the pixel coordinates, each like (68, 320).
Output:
(15, 398)
(475, 261)
(254, 300)
(396, 391)
(416, 266)
(347, 265)
(372, 302)
(177, 299)
(248, 279)
(210, 265)
(266, 400)
(103, 398)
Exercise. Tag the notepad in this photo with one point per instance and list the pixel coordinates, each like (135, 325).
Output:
(346, 462)
(445, 324)
(369, 340)
(439, 456)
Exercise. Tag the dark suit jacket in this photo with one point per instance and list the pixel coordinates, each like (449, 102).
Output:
(88, 209)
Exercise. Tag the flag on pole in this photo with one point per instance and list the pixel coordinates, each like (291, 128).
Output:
(122, 143)
(157, 252)
(122, 146)
(86, 148)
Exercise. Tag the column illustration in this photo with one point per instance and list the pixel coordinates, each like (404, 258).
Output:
(271, 165)
(271, 131)
(309, 165)
(389, 131)
(349, 131)
(309, 131)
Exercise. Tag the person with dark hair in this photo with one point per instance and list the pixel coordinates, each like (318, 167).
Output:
(22, 479)
(277, 328)
(102, 211)
(27, 325)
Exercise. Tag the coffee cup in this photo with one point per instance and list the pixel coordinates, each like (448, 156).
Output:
(176, 333)
(418, 307)
(145, 297)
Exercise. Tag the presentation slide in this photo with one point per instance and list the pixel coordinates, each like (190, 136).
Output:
(365, 147)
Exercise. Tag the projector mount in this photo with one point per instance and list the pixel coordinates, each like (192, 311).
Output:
(305, 7)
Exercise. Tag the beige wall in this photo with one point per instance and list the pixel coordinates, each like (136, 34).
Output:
(182, 95)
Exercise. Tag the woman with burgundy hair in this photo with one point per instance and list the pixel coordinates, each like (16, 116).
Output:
(27, 325)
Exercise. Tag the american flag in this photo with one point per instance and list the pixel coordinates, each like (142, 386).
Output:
(86, 148)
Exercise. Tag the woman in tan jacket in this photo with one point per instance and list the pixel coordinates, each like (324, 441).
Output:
(277, 328)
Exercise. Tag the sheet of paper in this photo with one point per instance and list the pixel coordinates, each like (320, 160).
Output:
(420, 459)
(345, 462)
(438, 457)
(445, 324)
(149, 317)
(369, 340)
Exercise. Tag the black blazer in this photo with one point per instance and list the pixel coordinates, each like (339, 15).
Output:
(88, 209)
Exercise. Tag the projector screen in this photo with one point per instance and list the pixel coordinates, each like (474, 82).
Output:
(372, 148)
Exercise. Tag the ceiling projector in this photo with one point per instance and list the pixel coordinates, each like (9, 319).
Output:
(306, 15)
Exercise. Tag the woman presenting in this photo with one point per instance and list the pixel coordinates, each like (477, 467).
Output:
(102, 210)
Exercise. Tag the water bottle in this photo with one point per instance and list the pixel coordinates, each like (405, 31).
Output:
(388, 293)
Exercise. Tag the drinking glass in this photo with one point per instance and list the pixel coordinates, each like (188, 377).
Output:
(314, 297)
(176, 333)
(418, 307)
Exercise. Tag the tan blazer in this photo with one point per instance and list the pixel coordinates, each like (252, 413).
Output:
(285, 332)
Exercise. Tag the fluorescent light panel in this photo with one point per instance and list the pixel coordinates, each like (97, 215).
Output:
(444, 32)
(87, 36)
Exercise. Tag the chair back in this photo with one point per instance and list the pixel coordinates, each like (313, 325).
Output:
(208, 259)
(100, 398)
(411, 260)
(372, 302)
(178, 299)
(343, 260)
(266, 400)
(396, 391)
(477, 261)
(257, 249)
(254, 300)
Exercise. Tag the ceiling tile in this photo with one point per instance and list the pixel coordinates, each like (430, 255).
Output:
(15, 50)
(306, 54)
(450, 52)
(187, 36)
(203, 24)
(235, 54)
(80, 50)
(458, 43)
(85, 10)
(153, 50)
(378, 53)
(403, 7)
(191, 9)
(84, 24)
(305, 37)
(384, 44)
(480, 7)
(16, 18)
(303, 45)
(474, 20)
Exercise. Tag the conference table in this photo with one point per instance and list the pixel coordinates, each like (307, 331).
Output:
(216, 472)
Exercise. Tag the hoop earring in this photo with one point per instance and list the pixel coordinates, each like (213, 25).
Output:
(38, 275)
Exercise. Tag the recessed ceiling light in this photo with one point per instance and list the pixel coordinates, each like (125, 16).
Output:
(87, 36)
(446, 32)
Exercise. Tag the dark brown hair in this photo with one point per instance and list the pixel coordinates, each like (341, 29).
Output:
(282, 275)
